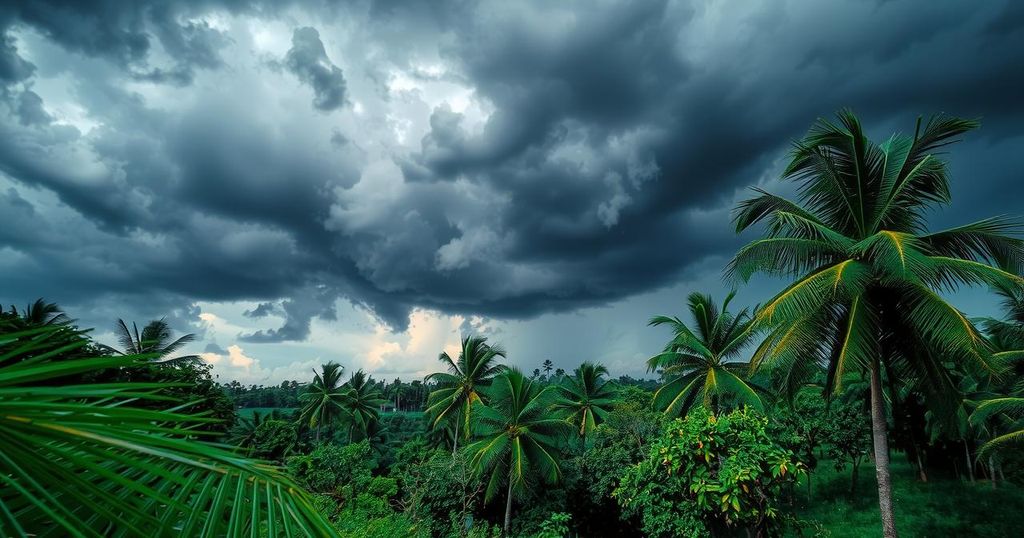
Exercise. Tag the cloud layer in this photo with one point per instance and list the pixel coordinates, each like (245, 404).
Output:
(504, 160)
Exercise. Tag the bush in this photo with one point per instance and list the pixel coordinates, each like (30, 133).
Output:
(710, 475)
(274, 439)
(342, 471)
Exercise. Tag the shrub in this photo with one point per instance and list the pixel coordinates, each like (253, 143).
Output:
(710, 475)
(274, 439)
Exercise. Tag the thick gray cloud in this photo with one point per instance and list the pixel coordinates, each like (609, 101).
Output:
(498, 159)
(307, 60)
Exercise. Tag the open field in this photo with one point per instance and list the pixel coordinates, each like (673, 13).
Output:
(939, 508)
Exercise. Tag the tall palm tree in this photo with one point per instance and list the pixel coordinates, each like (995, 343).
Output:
(155, 340)
(587, 396)
(518, 435)
(548, 366)
(459, 388)
(81, 459)
(361, 402)
(868, 273)
(698, 363)
(325, 398)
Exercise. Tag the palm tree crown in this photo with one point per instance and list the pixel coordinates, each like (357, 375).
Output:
(42, 313)
(459, 388)
(587, 397)
(696, 362)
(324, 399)
(868, 273)
(155, 340)
(362, 400)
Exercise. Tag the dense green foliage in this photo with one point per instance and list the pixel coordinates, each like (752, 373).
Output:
(707, 475)
(860, 359)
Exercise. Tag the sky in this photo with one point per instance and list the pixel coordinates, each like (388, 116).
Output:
(366, 181)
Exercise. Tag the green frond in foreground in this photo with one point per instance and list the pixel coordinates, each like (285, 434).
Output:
(80, 459)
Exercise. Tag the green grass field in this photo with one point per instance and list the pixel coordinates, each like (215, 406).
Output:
(942, 507)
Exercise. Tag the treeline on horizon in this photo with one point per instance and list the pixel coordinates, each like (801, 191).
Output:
(400, 395)
(860, 360)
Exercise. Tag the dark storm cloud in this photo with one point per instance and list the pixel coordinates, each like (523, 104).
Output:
(617, 135)
(30, 110)
(214, 348)
(124, 33)
(262, 310)
(13, 68)
(299, 311)
(307, 60)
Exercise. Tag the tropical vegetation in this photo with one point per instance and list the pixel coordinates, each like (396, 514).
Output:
(766, 420)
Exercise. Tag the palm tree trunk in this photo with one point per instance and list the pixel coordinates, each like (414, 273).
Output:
(970, 464)
(854, 474)
(508, 507)
(992, 471)
(318, 434)
(880, 435)
(455, 441)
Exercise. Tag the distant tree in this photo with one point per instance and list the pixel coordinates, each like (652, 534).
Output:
(155, 339)
(586, 397)
(243, 434)
(548, 366)
(325, 398)
(536, 374)
(361, 402)
(274, 439)
(559, 372)
(42, 313)
(697, 362)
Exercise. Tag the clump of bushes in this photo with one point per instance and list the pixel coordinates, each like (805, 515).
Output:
(711, 475)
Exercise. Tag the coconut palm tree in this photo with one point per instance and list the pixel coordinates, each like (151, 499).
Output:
(548, 366)
(587, 397)
(361, 402)
(698, 363)
(81, 459)
(154, 340)
(42, 313)
(459, 388)
(868, 274)
(325, 398)
(518, 435)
